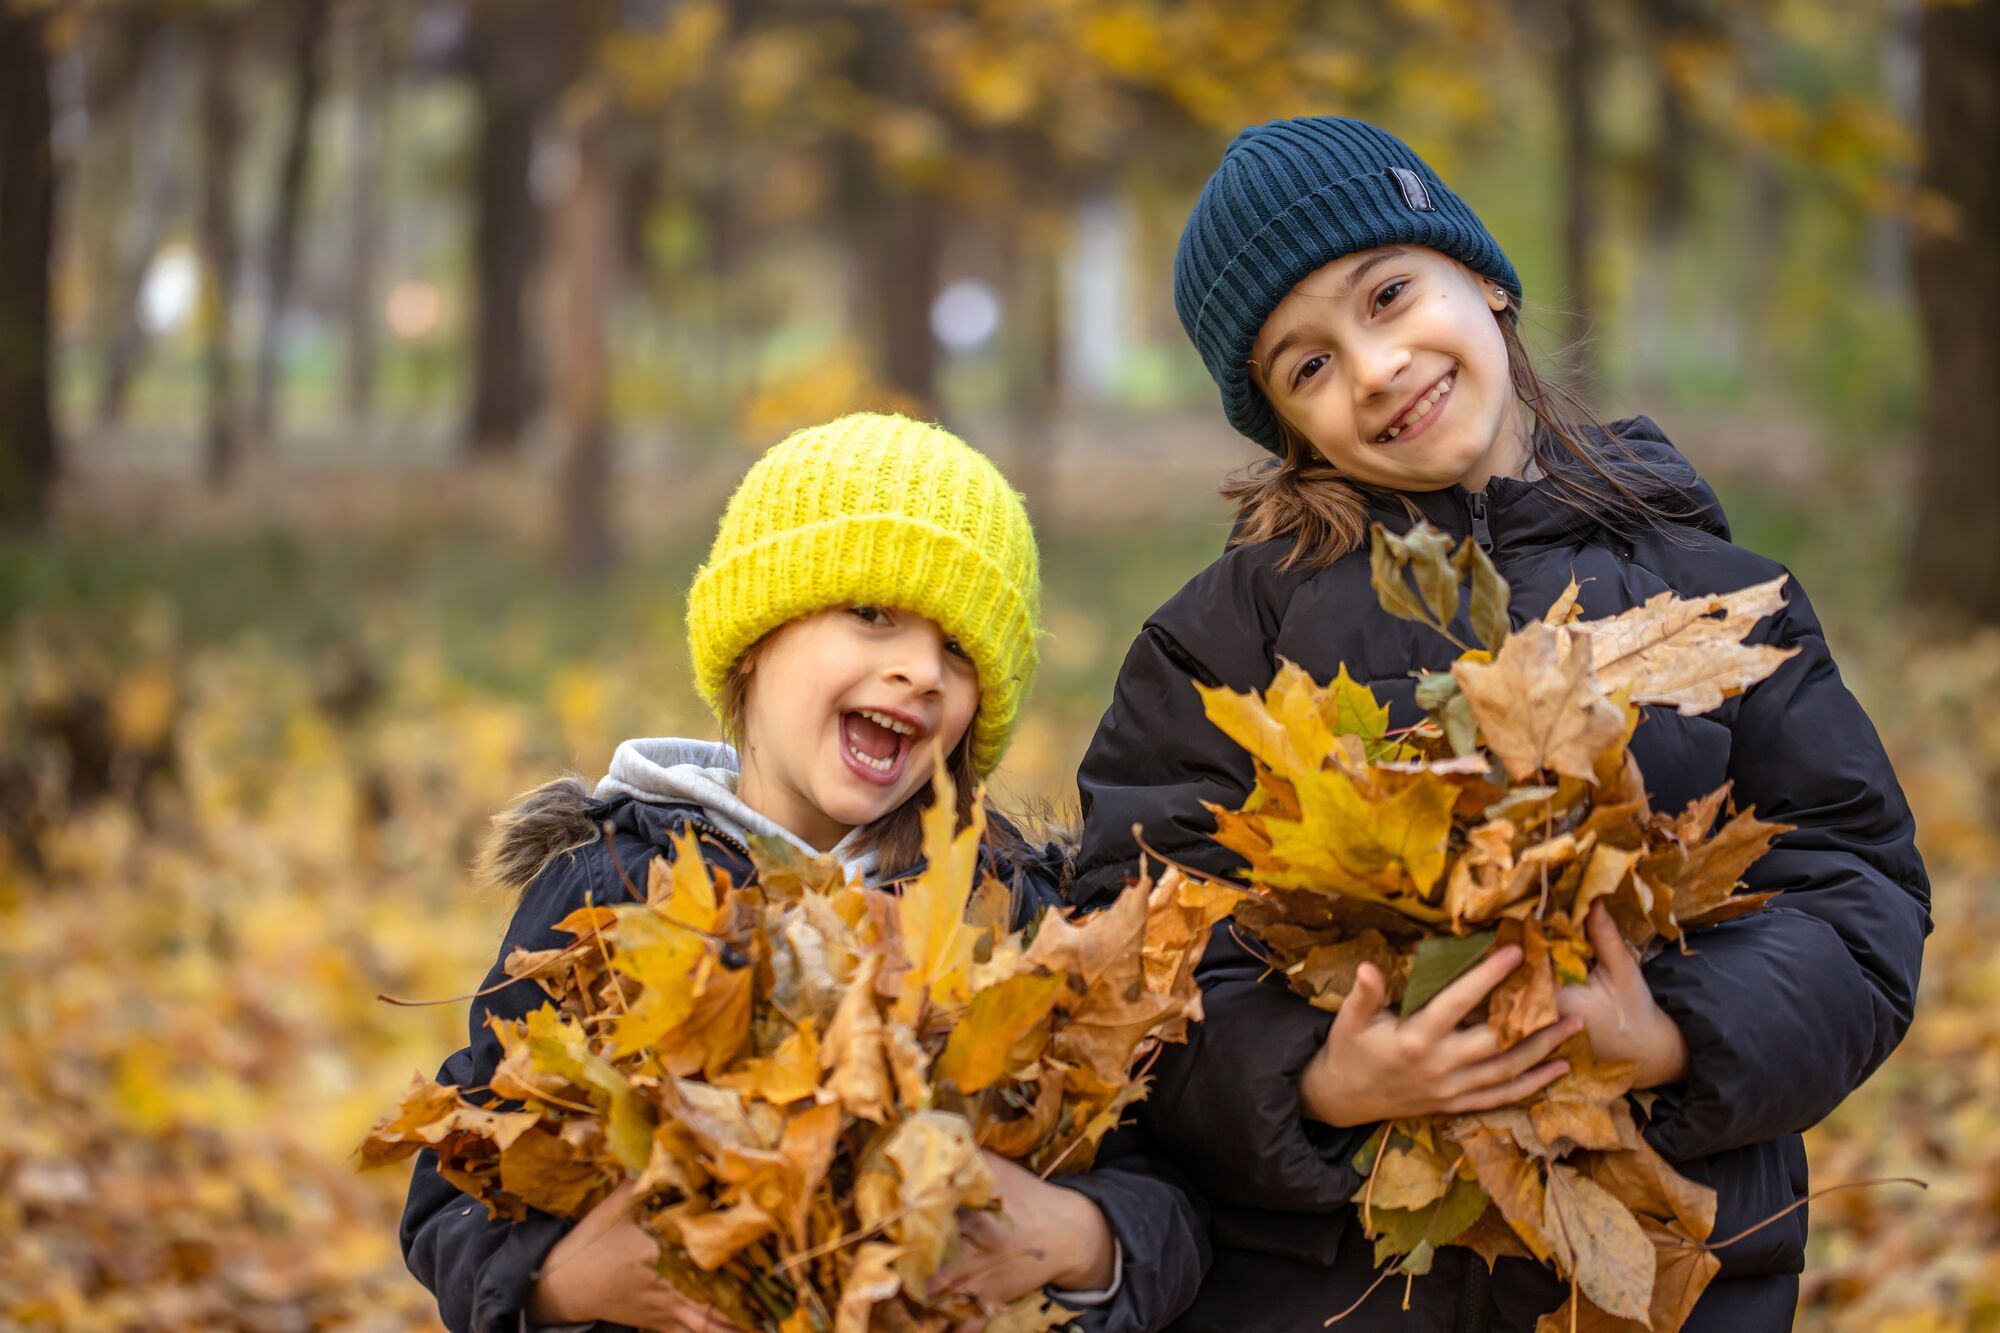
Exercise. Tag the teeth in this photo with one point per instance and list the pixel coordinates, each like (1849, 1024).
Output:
(1420, 411)
(879, 765)
(901, 728)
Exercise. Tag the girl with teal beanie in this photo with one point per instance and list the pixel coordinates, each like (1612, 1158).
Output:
(1361, 324)
(871, 600)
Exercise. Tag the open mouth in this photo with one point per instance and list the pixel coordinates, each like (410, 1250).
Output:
(1422, 412)
(876, 744)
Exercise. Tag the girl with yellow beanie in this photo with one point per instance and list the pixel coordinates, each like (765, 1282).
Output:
(871, 599)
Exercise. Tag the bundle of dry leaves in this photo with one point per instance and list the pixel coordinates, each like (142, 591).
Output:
(800, 1073)
(1501, 820)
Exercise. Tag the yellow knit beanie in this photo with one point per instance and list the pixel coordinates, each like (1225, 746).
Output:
(877, 509)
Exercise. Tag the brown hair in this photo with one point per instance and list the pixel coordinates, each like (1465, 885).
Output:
(1302, 496)
(897, 838)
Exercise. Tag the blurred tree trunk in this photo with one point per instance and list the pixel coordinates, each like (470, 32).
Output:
(282, 247)
(361, 294)
(1955, 559)
(1031, 250)
(156, 191)
(1576, 57)
(221, 140)
(586, 257)
(27, 243)
(1036, 454)
(906, 246)
(1764, 204)
(900, 224)
(509, 59)
(1669, 197)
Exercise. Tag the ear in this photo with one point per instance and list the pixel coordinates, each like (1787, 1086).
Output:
(1489, 291)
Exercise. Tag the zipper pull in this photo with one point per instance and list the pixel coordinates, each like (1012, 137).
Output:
(1482, 532)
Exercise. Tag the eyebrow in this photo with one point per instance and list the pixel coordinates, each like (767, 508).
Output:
(1361, 271)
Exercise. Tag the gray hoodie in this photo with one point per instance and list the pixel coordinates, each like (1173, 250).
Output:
(705, 773)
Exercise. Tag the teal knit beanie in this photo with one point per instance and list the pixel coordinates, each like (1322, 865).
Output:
(1291, 197)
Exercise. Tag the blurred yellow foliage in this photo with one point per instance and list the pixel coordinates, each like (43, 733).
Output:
(834, 382)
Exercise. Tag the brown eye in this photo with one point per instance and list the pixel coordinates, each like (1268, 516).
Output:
(1388, 295)
(870, 615)
(1308, 368)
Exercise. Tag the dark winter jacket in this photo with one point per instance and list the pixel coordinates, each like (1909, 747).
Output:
(481, 1270)
(1785, 1011)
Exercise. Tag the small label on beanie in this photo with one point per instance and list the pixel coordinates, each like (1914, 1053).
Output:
(1414, 193)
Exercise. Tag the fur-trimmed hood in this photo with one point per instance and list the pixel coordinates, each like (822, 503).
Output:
(562, 815)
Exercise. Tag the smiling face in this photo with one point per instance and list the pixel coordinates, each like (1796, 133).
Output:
(840, 714)
(1391, 364)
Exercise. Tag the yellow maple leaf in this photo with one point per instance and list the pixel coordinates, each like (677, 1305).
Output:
(937, 941)
(790, 1073)
(1346, 841)
(682, 887)
(977, 1054)
(662, 955)
(717, 1023)
(1283, 728)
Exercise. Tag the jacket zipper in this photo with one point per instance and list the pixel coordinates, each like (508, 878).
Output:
(1482, 532)
(1475, 1317)
(710, 830)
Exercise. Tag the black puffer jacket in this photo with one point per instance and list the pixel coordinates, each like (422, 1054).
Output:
(1785, 1011)
(481, 1270)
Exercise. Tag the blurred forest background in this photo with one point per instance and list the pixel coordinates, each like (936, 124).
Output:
(371, 376)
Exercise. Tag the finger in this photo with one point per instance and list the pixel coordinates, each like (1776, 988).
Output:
(1523, 1055)
(1612, 953)
(1507, 1065)
(1363, 1004)
(1465, 1047)
(1449, 1006)
(1595, 1006)
(1504, 1094)
(1469, 1047)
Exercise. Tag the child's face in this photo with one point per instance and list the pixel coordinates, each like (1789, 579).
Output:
(817, 755)
(1390, 362)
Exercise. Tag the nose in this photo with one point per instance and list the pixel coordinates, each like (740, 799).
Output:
(1378, 362)
(918, 663)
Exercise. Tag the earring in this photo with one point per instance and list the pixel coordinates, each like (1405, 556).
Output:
(1500, 292)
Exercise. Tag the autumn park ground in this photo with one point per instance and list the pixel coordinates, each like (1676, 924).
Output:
(251, 745)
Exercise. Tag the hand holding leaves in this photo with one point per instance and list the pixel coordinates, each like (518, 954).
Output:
(1042, 1235)
(1375, 1066)
(603, 1269)
(1623, 1019)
